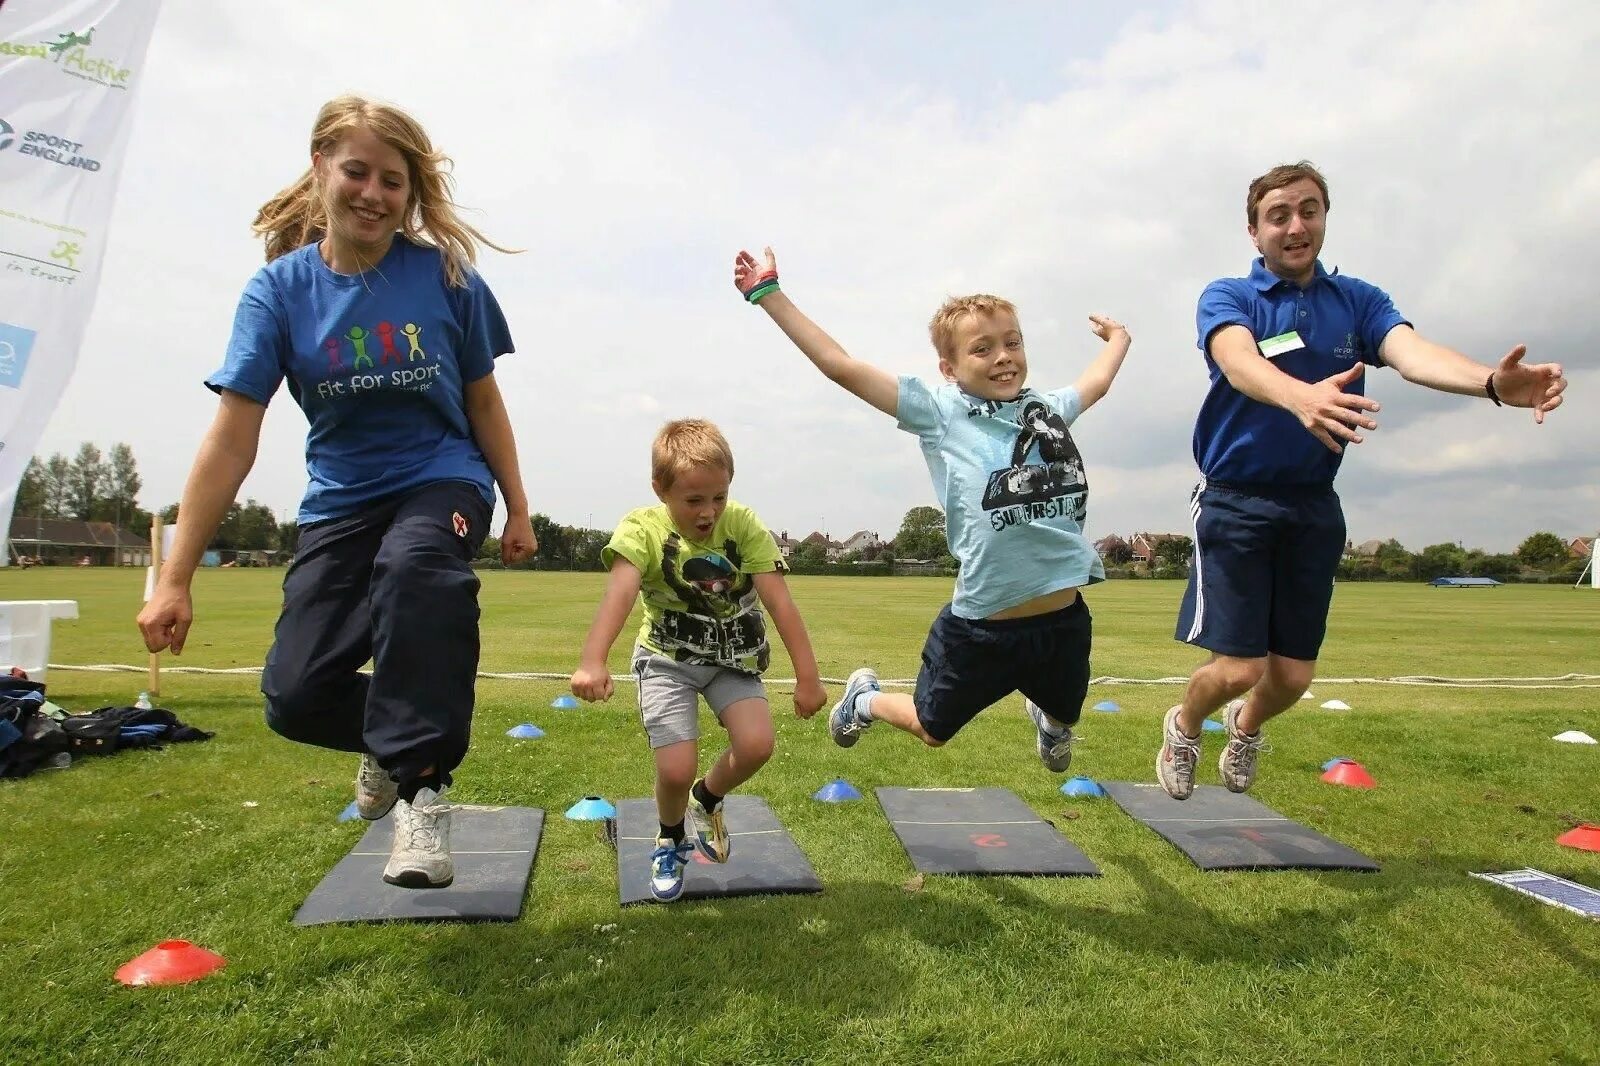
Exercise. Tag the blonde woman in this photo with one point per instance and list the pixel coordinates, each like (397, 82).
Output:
(371, 311)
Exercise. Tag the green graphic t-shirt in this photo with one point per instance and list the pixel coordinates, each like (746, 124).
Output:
(700, 604)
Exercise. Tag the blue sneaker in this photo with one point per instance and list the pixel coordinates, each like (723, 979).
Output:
(666, 868)
(1055, 747)
(844, 725)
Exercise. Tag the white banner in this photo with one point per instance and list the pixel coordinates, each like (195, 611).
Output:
(68, 71)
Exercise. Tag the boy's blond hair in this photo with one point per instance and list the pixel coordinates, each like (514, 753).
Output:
(684, 444)
(943, 327)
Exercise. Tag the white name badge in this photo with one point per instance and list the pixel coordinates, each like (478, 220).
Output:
(1273, 347)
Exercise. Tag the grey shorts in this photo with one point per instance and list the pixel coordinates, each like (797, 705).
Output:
(670, 691)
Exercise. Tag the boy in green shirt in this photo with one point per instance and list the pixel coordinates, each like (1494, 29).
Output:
(705, 566)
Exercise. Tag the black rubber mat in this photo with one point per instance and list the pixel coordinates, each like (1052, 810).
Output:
(763, 858)
(493, 849)
(979, 831)
(1221, 830)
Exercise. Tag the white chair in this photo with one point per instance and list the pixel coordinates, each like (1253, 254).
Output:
(25, 633)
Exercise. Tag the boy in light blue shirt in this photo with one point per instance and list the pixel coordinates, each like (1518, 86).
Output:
(1011, 481)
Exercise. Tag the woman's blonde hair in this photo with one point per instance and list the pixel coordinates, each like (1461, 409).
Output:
(298, 215)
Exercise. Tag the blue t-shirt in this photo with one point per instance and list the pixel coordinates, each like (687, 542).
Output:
(1011, 482)
(377, 362)
(1336, 320)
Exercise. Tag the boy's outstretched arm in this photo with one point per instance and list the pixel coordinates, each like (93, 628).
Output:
(809, 695)
(759, 283)
(1095, 381)
(592, 680)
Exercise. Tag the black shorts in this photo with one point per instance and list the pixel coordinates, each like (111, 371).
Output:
(970, 663)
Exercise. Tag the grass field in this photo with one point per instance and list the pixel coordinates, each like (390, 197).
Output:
(1154, 961)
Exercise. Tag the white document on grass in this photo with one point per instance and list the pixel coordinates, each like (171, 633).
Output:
(1549, 889)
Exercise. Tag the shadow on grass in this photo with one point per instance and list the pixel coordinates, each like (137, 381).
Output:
(789, 964)
(1550, 927)
(1168, 923)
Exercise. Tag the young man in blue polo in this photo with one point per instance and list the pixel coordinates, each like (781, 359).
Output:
(1286, 348)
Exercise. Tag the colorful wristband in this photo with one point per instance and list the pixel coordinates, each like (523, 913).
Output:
(765, 285)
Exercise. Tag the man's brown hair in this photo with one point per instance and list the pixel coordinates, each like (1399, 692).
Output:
(1277, 178)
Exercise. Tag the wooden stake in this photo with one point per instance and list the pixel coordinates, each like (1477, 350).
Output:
(155, 570)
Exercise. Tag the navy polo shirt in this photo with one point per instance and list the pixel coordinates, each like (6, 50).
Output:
(1339, 320)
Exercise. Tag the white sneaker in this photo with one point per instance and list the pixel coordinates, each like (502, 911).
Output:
(1238, 762)
(1179, 753)
(376, 791)
(420, 854)
(666, 868)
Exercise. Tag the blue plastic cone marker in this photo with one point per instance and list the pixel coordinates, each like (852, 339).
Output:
(591, 809)
(349, 812)
(1109, 706)
(1210, 726)
(1335, 761)
(525, 731)
(1082, 786)
(836, 791)
(564, 703)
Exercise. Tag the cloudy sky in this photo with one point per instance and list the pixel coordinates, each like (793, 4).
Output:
(1076, 158)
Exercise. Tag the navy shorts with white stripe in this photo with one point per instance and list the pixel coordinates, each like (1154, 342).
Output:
(1261, 579)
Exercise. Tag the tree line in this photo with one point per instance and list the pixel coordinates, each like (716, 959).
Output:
(104, 487)
(1541, 556)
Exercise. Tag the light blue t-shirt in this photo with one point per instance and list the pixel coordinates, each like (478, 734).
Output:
(378, 362)
(1012, 485)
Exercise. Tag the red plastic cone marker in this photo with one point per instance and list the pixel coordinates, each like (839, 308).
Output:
(1585, 838)
(1350, 774)
(171, 962)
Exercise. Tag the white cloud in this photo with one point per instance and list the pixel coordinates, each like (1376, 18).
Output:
(633, 148)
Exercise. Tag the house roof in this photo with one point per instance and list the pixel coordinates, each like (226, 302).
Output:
(70, 532)
(1151, 541)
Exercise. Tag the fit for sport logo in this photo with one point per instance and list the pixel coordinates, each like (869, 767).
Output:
(1353, 348)
(16, 344)
(47, 147)
(69, 51)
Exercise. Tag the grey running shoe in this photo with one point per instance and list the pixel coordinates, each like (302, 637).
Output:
(376, 791)
(1054, 742)
(844, 725)
(1179, 753)
(1238, 762)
